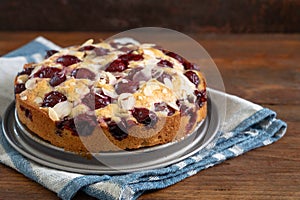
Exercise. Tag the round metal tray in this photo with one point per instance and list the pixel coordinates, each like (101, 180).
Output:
(38, 150)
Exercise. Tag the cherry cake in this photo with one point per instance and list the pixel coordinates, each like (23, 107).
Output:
(109, 96)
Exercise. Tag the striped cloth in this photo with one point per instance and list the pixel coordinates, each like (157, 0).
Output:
(247, 126)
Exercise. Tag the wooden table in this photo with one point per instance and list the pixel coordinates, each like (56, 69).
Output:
(264, 69)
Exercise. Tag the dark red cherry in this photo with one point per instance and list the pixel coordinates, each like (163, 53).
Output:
(46, 72)
(26, 71)
(49, 53)
(121, 63)
(179, 102)
(53, 98)
(163, 76)
(141, 114)
(96, 101)
(133, 71)
(193, 77)
(19, 88)
(162, 106)
(165, 63)
(27, 112)
(22, 108)
(158, 107)
(130, 56)
(117, 130)
(67, 60)
(86, 48)
(190, 66)
(184, 109)
(126, 87)
(117, 65)
(186, 64)
(83, 73)
(171, 111)
(144, 116)
(175, 56)
(136, 57)
(85, 124)
(57, 79)
(101, 51)
(101, 100)
(68, 124)
(201, 97)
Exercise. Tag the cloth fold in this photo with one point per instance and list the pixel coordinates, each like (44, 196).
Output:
(246, 126)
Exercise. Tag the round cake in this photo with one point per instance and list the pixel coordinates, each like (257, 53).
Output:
(108, 96)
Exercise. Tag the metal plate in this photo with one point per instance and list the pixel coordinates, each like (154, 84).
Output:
(46, 154)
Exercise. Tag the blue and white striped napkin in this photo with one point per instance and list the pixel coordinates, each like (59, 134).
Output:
(247, 126)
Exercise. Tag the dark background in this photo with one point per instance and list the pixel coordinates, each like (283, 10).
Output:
(190, 16)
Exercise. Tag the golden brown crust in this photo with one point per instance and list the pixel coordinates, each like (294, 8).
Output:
(41, 125)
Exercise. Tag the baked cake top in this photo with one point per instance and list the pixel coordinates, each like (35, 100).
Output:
(116, 80)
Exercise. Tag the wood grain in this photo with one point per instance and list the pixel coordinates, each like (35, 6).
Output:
(231, 16)
(264, 69)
